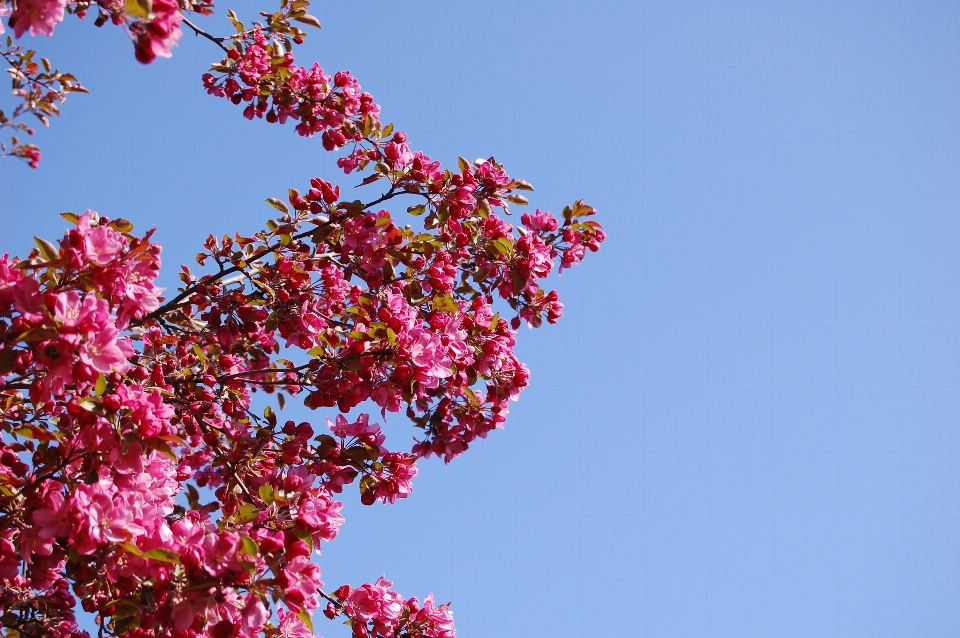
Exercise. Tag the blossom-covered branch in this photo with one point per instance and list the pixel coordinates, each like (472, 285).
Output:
(40, 90)
(140, 475)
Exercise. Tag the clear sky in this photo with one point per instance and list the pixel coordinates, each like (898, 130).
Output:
(748, 422)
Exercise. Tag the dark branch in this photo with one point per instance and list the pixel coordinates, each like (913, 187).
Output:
(198, 31)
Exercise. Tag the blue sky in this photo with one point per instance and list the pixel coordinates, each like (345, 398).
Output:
(748, 422)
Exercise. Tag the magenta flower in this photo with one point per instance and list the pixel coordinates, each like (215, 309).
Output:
(39, 16)
(101, 516)
(103, 245)
(158, 36)
(103, 352)
(51, 519)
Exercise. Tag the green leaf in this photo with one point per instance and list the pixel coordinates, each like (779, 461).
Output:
(235, 20)
(266, 493)
(163, 448)
(445, 303)
(193, 496)
(304, 615)
(247, 512)
(197, 351)
(47, 250)
(248, 546)
(268, 289)
(89, 405)
(305, 536)
(517, 199)
(417, 210)
(582, 210)
(121, 225)
(503, 246)
(472, 396)
(276, 203)
(483, 207)
(518, 283)
(163, 555)
(73, 218)
(101, 385)
(308, 20)
(138, 8)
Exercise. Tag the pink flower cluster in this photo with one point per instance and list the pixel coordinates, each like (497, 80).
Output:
(155, 33)
(392, 473)
(376, 609)
(144, 470)
(79, 333)
(259, 72)
(158, 34)
(37, 16)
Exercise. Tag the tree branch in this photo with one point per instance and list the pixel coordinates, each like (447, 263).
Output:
(198, 31)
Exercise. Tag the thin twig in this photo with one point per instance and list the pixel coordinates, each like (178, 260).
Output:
(175, 303)
(198, 31)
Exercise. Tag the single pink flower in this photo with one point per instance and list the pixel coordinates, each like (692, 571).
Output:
(157, 37)
(103, 352)
(4, 12)
(103, 245)
(39, 16)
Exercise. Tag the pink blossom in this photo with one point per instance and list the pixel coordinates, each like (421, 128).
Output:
(39, 16)
(254, 615)
(103, 245)
(254, 64)
(299, 578)
(102, 515)
(159, 35)
(220, 552)
(291, 626)
(362, 426)
(4, 12)
(103, 352)
(51, 519)
(148, 412)
(101, 347)
(9, 556)
(535, 255)
(429, 356)
(100, 244)
(67, 309)
(396, 481)
(437, 620)
(321, 515)
(19, 292)
(377, 602)
(539, 222)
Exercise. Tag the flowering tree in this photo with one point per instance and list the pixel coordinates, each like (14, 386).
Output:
(136, 475)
